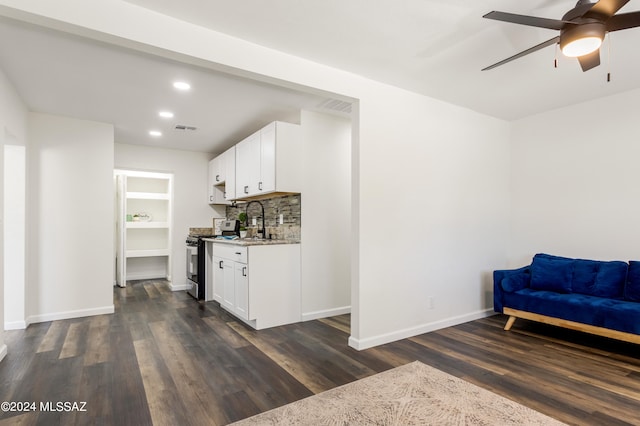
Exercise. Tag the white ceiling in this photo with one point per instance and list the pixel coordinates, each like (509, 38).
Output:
(63, 74)
(434, 47)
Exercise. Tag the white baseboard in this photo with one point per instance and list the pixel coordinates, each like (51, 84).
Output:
(3, 352)
(144, 276)
(308, 316)
(369, 342)
(15, 325)
(178, 287)
(70, 314)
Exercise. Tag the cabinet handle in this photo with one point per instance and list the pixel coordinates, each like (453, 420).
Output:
(217, 178)
(210, 197)
(246, 189)
(260, 186)
(244, 271)
(238, 253)
(220, 264)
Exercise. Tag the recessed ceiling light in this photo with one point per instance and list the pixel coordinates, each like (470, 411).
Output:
(165, 114)
(155, 133)
(182, 85)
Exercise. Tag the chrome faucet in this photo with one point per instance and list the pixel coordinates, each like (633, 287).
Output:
(246, 211)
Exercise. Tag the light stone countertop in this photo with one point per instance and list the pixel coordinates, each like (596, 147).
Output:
(250, 242)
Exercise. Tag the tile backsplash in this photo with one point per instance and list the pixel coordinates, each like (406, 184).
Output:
(288, 206)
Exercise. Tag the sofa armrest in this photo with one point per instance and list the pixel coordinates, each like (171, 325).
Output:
(514, 280)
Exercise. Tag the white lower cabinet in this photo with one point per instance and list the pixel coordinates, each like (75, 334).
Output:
(241, 284)
(228, 285)
(259, 284)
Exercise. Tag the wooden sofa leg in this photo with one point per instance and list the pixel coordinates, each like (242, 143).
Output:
(509, 323)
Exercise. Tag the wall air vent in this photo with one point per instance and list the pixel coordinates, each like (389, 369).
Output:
(336, 105)
(185, 128)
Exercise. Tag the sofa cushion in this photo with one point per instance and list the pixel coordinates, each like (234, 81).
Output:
(594, 277)
(584, 275)
(632, 287)
(551, 273)
(515, 282)
(610, 280)
(597, 278)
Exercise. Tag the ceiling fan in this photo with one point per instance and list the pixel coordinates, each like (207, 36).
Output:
(582, 29)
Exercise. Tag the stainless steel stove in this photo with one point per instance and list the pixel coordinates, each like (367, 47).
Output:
(196, 279)
(196, 266)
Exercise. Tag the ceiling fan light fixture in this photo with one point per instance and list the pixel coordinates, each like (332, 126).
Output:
(582, 39)
(582, 46)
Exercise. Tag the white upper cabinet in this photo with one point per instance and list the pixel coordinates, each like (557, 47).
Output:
(222, 178)
(248, 166)
(229, 157)
(268, 161)
(267, 181)
(219, 164)
(211, 181)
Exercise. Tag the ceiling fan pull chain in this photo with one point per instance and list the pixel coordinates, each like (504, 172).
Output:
(555, 59)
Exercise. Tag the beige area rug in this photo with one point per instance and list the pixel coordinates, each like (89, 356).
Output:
(414, 394)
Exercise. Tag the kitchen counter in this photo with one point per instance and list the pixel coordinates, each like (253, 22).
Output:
(250, 242)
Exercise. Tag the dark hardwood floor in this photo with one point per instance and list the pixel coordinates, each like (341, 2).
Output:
(165, 359)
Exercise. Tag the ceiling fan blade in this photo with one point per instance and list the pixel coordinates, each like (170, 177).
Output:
(605, 8)
(589, 61)
(525, 52)
(623, 21)
(532, 21)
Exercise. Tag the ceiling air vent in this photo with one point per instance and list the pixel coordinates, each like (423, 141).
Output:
(336, 105)
(183, 127)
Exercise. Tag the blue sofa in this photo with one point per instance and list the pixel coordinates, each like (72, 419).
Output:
(587, 295)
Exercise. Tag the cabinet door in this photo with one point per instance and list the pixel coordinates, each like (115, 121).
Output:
(211, 181)
(242, 290)
(229, 287)
(217, 179)
(248, 166)
(267, 182)
(217, 170)
(230, 173)
(221, 169)
(218, 196)
(218, 279)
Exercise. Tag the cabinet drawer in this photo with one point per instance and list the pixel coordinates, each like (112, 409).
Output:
(235, 253)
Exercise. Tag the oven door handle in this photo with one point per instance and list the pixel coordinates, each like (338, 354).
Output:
(220, 264)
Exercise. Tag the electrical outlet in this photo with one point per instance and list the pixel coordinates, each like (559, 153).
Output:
(254, 221)
(430, 301)
(281, 219)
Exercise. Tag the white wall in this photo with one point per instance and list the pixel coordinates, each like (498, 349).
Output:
(70, 223)
(190, 207)
(433, 214)
(14, 235)
(13, 112)
(13, 127)
(575, 182)
(440, 170)
(326, 215)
